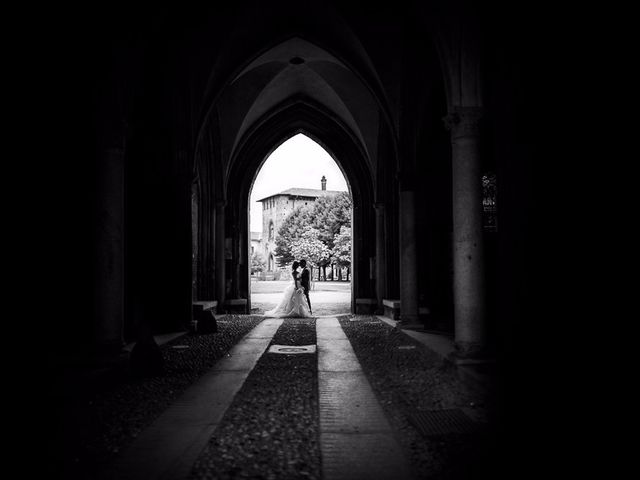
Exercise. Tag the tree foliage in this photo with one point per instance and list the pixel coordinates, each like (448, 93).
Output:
(310, 247)
(330, 214)
(342, 247)
(296, 223)
(258, 263)
(321, 222)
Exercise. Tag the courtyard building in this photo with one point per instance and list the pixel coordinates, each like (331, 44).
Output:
(276, 208)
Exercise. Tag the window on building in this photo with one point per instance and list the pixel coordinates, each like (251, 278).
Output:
(271, 231)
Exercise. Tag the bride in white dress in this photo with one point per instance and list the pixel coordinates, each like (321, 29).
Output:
(293, 302)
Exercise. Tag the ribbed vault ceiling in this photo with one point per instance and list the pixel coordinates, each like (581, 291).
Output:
(296, 69)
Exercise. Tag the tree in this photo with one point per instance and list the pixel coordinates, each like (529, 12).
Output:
(291, 229)
(326, 216)
(309, 247)
(342, 248)
(258, 263)
(330, 214)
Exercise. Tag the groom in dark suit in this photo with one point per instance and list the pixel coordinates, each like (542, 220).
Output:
(304, 281)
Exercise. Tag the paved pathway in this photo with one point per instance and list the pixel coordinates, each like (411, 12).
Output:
(168, 448)
(356, 439)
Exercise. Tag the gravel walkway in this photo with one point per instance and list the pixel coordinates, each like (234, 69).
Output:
(271, 429)
(99, 420)
(409, 379)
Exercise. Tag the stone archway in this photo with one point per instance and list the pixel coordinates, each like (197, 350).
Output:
(303, 116)
(295, 85)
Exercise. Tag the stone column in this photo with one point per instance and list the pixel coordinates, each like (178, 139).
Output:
(381, 262)
(468, 261)
(109, 293)
(237, 259)
(408, 259)
(220, 253)
(196, 273)
(356, 254)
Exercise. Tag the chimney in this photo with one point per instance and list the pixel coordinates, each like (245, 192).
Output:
(324, 182)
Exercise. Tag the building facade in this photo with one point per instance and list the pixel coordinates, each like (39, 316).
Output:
(276, 208)
(256, 242)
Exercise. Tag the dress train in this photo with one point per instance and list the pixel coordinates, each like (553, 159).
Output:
(292, 304)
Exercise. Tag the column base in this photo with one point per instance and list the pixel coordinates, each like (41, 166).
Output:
(236, 305)
(108, 354)
(204, 321)
(391, 308)
(105, 348)
(366, 306)
(470, 351)
(410, 321)
(146, 359)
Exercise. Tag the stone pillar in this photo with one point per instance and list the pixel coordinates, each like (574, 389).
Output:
(196, 273)
(220, 253)
(356, 254)
(109, 293)
(408, 259)
(381, 262)
(468, 261)
(237, 259)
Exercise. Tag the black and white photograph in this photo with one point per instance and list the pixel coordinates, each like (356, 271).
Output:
(290, 240)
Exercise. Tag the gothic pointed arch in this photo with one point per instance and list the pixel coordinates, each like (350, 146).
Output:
(304, 116)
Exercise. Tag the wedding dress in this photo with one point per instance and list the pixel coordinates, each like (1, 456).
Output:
(293, 302)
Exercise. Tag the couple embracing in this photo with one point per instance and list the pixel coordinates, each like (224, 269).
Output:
(295, 299)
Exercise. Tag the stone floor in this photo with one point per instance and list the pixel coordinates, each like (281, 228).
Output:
(327, 298)
(228, 408)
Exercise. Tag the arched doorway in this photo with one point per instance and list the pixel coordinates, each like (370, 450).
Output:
(298, 87)
(301, 208)
(310, 119)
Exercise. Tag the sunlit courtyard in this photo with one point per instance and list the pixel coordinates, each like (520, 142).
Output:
(327, 298)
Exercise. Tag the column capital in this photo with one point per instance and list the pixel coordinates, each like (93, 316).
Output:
(463, 121)
(379, 206)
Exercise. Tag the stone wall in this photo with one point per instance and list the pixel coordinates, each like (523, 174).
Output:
(275, 210)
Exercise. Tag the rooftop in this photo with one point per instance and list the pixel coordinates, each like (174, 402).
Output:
(303, 192)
